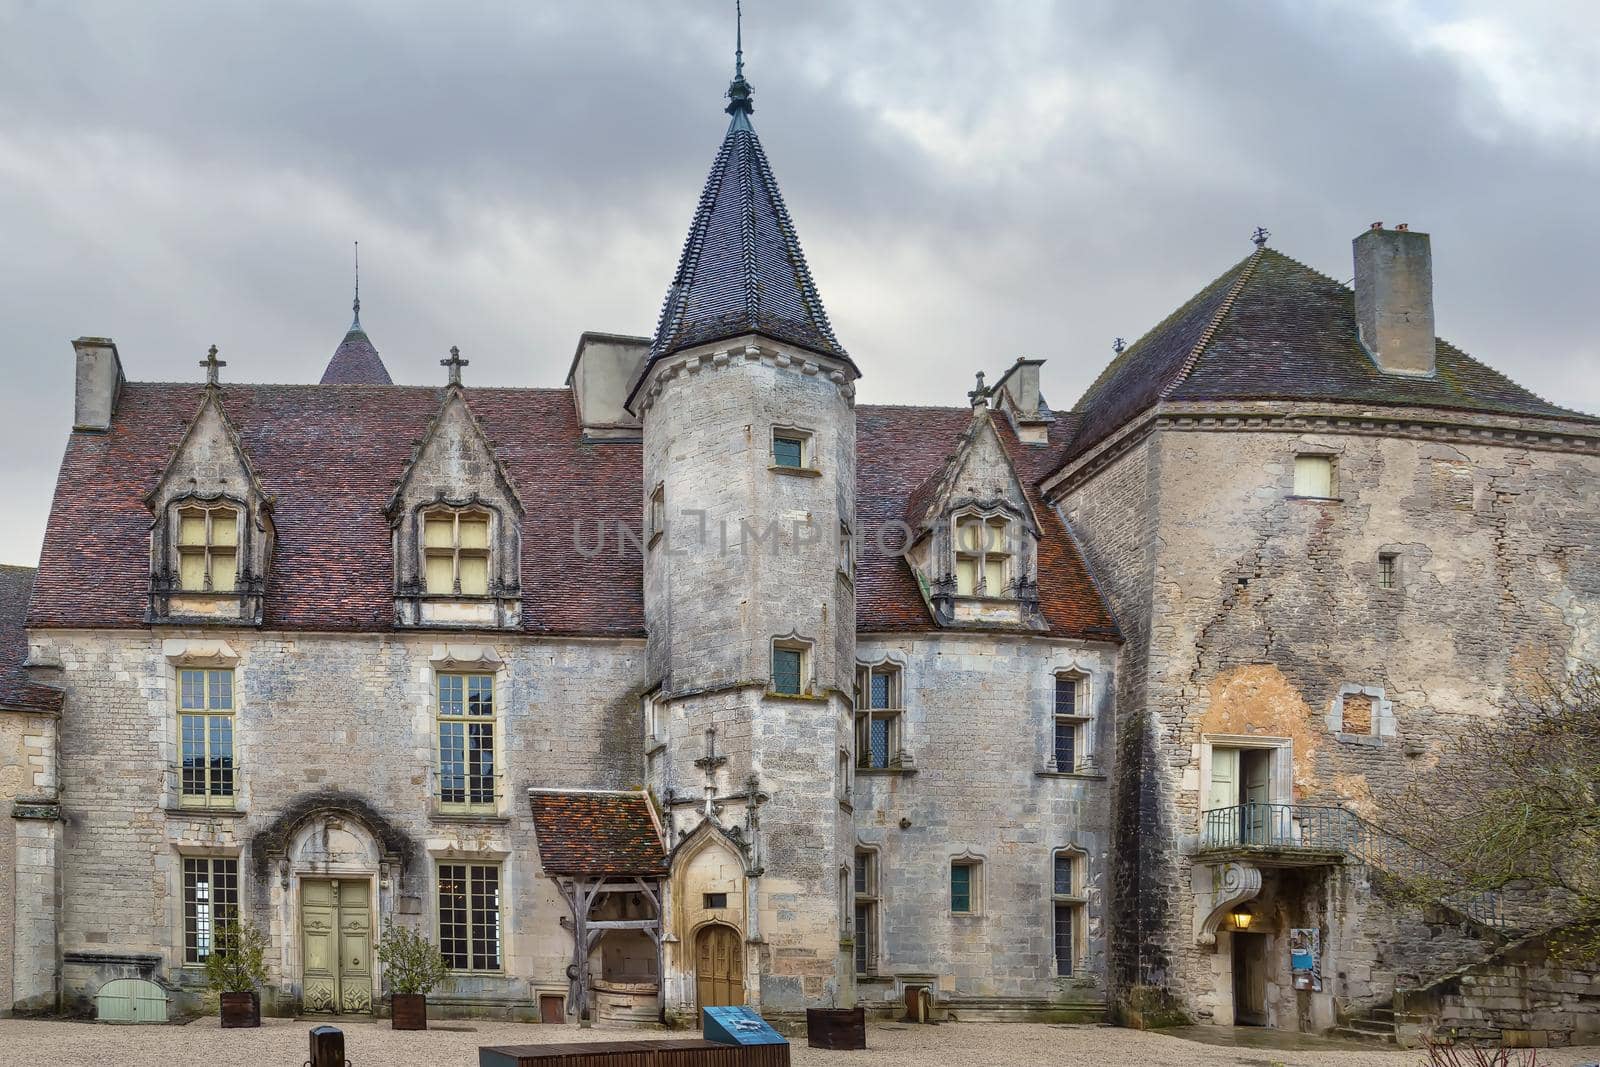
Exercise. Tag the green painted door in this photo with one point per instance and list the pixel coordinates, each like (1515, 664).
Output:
(131, 1000)
(1224, 779)
(336, 944)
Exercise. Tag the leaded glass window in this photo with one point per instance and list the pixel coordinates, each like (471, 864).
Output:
(878, 709)
(469, 916)
(205, 738)
(1067, 908)
(210, 898)
(1069, 722)
(788, 665)
(467, 771)
(866, 911)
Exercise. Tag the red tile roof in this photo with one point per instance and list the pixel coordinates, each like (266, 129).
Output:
(332, 455)
(596, 833)
(16, 691)
(899, 450)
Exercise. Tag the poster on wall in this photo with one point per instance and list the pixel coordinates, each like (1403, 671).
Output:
(1305, 946)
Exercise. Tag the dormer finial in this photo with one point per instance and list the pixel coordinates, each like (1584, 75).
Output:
(1118, 345)
(979, 397)
(212, 365)
(455, 363)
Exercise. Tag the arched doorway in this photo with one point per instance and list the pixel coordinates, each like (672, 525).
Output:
(719, 967)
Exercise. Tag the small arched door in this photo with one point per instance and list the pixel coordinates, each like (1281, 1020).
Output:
(718, 966)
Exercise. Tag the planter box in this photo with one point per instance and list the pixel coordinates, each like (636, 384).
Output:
(408, 1011)
(836, 1028)
(241, 1009)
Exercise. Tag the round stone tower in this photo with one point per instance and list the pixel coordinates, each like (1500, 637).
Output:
(747, 403)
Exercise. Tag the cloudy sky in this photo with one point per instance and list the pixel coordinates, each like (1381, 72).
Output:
(972, 181)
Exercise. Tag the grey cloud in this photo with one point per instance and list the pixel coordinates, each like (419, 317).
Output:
(972, 182)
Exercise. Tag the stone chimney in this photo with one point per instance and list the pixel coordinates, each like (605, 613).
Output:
(99, 383)
(603, 370)
(1020, 399)
(1394, 299)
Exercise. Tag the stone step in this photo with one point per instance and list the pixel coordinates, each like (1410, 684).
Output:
(1382, 1014)
(1371, 1026)
(1351, 1033)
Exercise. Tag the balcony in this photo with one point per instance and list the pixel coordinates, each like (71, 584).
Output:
(1309, 835)
(1278, 835)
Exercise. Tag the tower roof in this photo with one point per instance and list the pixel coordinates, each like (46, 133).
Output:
(355, 361)
(742, 270)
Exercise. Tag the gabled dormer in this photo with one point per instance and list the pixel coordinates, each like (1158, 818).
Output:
(211, 530)
(974, 539)
(457, 526)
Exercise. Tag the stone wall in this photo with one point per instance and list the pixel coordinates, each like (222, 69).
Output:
(1517, 997)
(323, 722)
(28, 887)
(1267, 612)
(978, 725)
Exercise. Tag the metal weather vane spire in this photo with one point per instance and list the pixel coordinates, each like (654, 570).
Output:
(356, 306)
(739, 102)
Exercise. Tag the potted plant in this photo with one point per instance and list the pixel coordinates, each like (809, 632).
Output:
(412, 966)
(236, 969)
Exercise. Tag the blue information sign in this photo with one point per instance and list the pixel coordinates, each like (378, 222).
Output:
(740, 1026)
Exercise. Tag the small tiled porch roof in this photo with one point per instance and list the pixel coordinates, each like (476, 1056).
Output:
(597, 833)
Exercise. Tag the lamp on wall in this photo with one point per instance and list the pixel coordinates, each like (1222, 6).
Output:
(1242, 917)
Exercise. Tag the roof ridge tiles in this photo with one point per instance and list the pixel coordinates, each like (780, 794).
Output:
(1228, 301)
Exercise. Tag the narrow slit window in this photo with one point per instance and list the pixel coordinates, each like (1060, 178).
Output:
(1388, 571)
(866, 911)
(1067, 905)
(963, 887)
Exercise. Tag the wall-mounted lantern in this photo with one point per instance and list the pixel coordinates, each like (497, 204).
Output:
(1242, 917)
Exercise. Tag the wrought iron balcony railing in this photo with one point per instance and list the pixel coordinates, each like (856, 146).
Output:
(1333, 830)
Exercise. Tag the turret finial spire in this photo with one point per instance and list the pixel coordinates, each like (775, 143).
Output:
(355, 307)
(739, 94)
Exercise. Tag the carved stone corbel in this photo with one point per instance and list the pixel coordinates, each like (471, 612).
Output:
(1218, 887)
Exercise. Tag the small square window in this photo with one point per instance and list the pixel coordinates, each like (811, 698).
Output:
(716, 901)
(1315, 477)
(788, 669)
(788, 449)
(1388, 570)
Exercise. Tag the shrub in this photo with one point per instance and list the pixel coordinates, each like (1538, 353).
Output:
(1442, 1055)
(237, 963)
(410, 962)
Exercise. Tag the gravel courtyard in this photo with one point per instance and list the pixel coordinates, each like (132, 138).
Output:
(283, 1042)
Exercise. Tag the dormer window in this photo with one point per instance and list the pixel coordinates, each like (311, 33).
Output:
(455, 547)
(983, 555)
(208, 549)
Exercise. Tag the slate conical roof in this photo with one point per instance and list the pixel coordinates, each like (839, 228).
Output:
(742, 270)
(355, 361)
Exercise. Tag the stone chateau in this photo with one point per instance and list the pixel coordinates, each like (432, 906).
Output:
(695, 682)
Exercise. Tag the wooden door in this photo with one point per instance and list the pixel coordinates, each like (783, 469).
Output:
(1224, 779)
(1255, 790)
(1249, 979)
(336, 945)
(719, 967)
